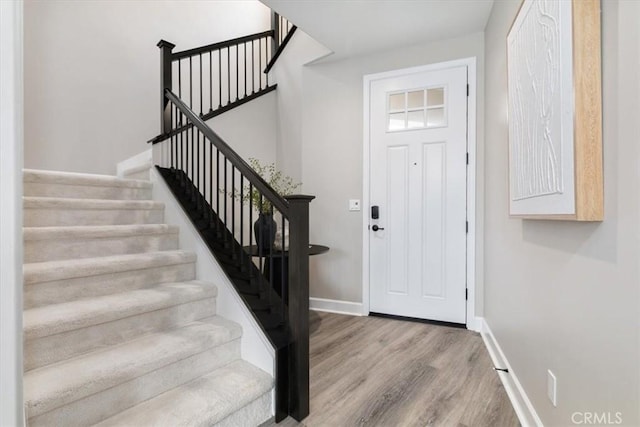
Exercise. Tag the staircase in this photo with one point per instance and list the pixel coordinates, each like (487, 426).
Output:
(117, 331)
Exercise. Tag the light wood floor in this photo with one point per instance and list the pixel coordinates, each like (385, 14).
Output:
(371, 371)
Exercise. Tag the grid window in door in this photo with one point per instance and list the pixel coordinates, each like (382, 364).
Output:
(416, 109)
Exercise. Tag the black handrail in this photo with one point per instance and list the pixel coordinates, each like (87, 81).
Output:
(280, 49)
(283, 31)
(243, 167)
(221, 45)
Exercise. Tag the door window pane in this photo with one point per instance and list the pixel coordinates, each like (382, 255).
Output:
(416, 99)
(435, 117)
(396, 102)
(396, 121)
(415, 119)
(435, 96)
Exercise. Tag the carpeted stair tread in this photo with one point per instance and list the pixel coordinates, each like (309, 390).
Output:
(58, 318)
(203, 402)
(80, 186)
(38, 202)
(84, 179)
(66, 269)
(64, 211)
(43, 244)
(96, 231)
(59, 384)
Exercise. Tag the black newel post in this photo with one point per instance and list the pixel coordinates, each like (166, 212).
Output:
(299, 305)
(275, 26)
(165, 83)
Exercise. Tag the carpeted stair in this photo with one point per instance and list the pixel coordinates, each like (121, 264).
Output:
(117, 331)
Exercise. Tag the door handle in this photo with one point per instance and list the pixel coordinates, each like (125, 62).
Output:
(376, 228)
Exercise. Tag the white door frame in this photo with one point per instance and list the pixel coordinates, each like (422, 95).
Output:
(470, 63)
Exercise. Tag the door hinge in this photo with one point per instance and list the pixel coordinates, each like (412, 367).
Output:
(467, 226)
(466, 294)
(467, 158)
(467, 90)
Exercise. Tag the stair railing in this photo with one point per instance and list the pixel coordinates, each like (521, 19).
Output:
(215, 78)
(223, 195)
(283, 31)
(217, 189)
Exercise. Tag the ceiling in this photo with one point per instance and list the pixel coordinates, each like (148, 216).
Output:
(356, 27)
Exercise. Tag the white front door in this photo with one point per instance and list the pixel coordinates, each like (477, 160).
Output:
(418, 167)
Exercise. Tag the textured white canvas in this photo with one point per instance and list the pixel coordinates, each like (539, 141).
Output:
(541, 150)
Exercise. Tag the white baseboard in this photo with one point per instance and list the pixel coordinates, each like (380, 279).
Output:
(475, 324)
(519, 400)
(336, 306)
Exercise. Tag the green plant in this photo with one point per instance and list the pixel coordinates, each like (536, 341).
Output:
(282, 184)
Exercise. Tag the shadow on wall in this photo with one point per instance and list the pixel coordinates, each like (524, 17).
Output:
(581, 238)
(596, 240)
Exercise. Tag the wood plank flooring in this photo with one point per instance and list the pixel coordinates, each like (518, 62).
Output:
(371, 371)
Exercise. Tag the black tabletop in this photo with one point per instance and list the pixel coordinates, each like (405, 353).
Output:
(313, 250)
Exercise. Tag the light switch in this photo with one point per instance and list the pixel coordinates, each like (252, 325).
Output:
(354, 205)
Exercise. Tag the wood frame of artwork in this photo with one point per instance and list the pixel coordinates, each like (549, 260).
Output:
(555, 111)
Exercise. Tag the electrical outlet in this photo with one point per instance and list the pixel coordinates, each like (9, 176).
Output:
(552, 388)
(354, 205)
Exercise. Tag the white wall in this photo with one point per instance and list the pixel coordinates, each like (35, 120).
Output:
(565, 296)
(331, 153)
(92, 72)
(288, 70)
(250, 129)
(11, 143)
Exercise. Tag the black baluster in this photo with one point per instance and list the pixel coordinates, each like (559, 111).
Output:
(218, 182)
(266, 59)
(226, 193)
(184, 145)
(275, 26)
(260, 243)
(197, 158)
(260, 64)
(228, 75)
(253, 79)
(283, 272)
(172, 144)
(270, 243)
(244, 63)
(180, 79)
(233, 209)
(181, 143)
(190, 83)
(210, 81)
(201, 85)
(210, 181)
(237, 74)
(219, 78)
(250, 224)
(205, 214)
(241, 221)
